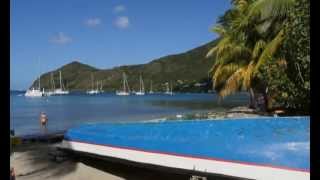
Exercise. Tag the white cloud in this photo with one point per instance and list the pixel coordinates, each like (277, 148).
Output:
(122, 22)
(119, 8)
(93, 22)
(61, 38)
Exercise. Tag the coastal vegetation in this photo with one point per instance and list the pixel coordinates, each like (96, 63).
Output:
(264, 48)
(187, 72)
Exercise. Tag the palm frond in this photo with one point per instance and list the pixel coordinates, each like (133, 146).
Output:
(247, 75)
(270, 49)
(219, 30)
(260, 44)
(217, 73)
(223, 72)
(229, 51)
(240, 23)
(270, 8)
(213, 68)
(233, 83)
(223, 46)
(241, 5)
(264, 26)
(211, 52)
(240, 50)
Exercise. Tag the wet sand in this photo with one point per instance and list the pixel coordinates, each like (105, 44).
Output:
(31, 161)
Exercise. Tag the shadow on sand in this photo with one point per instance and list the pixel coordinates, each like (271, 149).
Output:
(40, 166)
(33, 160)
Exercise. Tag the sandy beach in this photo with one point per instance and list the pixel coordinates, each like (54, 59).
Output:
(31, 161)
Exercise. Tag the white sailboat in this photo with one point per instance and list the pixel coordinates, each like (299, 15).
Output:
(35, 92)
(60, 91)
(141, 91)
(169, 89)
(151, 91)
(125, 91)
(92, 91)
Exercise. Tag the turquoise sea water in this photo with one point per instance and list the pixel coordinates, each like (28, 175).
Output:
(74, 109)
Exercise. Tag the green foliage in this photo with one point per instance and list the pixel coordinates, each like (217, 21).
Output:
(264, 45)
(288, 76)
(296, 51)
(243, 45)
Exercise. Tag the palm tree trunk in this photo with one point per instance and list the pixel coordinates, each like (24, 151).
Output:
(252, 99)
(266, 100)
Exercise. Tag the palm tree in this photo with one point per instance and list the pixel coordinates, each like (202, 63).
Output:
(250, 35)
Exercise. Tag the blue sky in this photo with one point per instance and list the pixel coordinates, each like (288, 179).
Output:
(103, 33)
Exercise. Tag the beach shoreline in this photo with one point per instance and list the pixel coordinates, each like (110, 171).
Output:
(236, 112)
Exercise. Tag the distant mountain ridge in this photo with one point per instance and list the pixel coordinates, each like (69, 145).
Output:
(186, 71)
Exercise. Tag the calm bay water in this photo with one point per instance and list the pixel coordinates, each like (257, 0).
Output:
(74, 109)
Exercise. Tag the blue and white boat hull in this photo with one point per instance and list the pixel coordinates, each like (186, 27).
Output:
(264, 148)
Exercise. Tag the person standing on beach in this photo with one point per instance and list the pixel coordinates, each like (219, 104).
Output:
(43, 121)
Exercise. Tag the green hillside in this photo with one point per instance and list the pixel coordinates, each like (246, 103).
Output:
(183, 70)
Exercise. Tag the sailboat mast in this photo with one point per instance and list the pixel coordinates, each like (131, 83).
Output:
(52, 81)
(151, 86)
(124, 82)
(39, 73)
(140, 83)
(92, 81)
(60, 80)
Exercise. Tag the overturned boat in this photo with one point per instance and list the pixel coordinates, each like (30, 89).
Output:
(250, 148)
